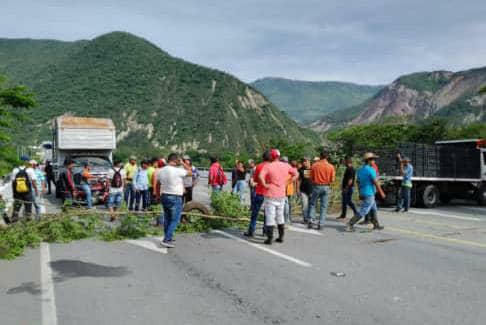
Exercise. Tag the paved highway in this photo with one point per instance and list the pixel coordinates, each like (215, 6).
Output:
(426, 267)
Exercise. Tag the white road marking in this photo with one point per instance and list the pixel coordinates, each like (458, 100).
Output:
(307, 231)
(446, 215)
(150, 243)
(49, 314)
(265, 249)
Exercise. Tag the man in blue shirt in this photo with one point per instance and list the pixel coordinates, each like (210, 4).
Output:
(368, 185)
(406, 169)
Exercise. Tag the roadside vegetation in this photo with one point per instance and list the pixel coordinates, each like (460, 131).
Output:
(76, 224)
(14, 100)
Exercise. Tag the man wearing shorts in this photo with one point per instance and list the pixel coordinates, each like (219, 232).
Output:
(116, 181)
(274, 178)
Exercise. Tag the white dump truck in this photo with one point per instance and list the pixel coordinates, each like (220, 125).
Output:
(86, 140)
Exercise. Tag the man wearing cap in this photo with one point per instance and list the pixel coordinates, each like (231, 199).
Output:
(368, 184)
(406, 169)
(23, 175)
(274, 178)
(323, 175)
(190, 181)
(131, 169)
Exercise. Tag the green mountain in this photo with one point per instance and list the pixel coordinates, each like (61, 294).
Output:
(418, 96)
(158, 102)
(306, 101)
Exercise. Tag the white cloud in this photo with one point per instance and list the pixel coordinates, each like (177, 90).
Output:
(363, 41)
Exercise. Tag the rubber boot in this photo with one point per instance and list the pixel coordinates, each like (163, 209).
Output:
(374, 221)
(269, 232)
(281, 232)
(350, 224)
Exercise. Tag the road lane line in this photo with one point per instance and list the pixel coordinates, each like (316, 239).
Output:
(49, 314)
(306, 231)
(430, 236)
(444, 215)
(265, 249)
(148, 243)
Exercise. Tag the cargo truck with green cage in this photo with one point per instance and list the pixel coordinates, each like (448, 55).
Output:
(446, 170)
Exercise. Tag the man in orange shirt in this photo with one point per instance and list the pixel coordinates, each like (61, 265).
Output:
(323, 175)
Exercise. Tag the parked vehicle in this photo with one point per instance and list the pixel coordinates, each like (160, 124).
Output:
(85, 140)
(443, 171)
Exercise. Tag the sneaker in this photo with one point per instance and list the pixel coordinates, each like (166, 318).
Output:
(279, 240)
(309, 225)
(248, 234)
(318, 227)
(397, 210)
(341, 217)
(167, 244)
(405, 210)
(268, 242)
(349, 228)
(364, 222)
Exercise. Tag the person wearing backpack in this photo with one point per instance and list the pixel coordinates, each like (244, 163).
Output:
(217, 178)
(23, 187)
(115, 180)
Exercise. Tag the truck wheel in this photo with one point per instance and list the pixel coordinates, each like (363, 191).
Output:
(430, 196)
(194, 207)
(482, 195)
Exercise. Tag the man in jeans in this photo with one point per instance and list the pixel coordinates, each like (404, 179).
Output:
(141, 185)
(348, 189)
(257, 200)
(368, 185)
(131, 169)
(323, 175)
(171, 179)
(406, 170)
(305, 187)
(274, 178)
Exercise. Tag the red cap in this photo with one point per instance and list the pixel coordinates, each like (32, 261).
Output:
(274, 154)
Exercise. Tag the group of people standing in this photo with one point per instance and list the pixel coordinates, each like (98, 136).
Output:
(273, 183)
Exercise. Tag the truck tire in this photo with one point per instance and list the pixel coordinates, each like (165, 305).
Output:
(482, 195)
(195, 207)
(430, 196)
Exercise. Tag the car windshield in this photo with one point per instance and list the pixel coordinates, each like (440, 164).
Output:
(92, 161)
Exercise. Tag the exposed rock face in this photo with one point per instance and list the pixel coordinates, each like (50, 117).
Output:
(419, 96)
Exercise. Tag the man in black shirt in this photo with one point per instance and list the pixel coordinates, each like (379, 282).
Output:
(305, 187)
(347, 188)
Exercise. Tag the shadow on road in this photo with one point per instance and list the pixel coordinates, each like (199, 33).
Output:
(68, 269)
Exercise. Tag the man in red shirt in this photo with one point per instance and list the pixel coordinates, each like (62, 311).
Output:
(216, 178)
(258, 198)
(274, 178)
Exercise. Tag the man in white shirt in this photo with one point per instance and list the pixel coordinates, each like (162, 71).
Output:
(171, 179)
(24, 187)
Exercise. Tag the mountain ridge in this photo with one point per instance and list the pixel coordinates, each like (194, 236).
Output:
(158, 102)
(305, 101)
(418, 96)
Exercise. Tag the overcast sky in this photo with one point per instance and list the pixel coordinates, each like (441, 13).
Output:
(363, 41)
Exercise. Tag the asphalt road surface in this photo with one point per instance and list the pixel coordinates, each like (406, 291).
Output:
(426, 267)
